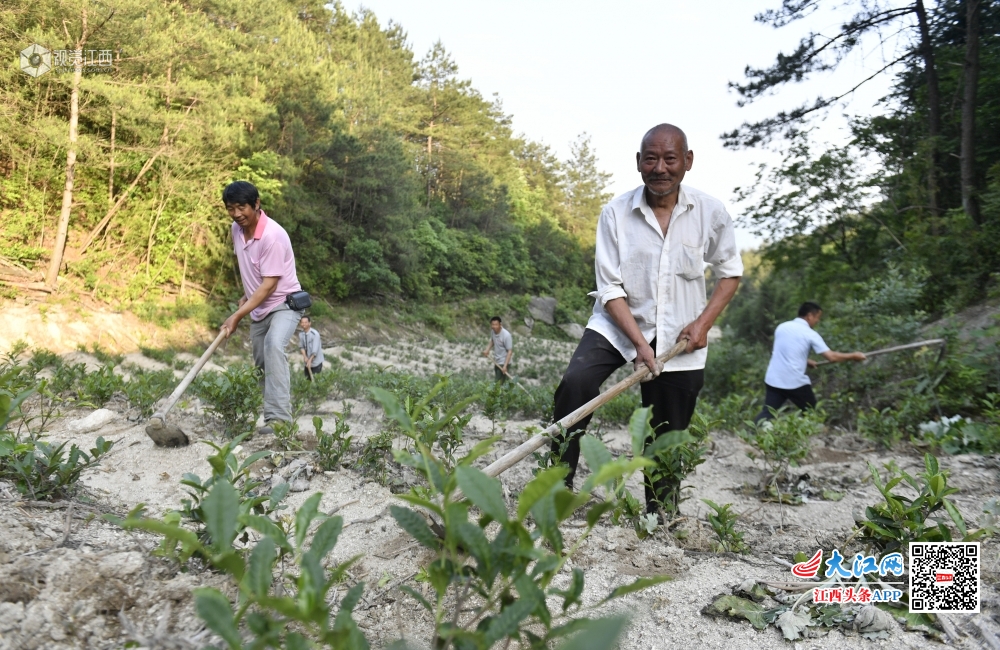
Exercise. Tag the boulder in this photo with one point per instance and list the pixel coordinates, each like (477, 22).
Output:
(573, 330)
(543, 308)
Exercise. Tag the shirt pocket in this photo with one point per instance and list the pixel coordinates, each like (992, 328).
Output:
(690, 263)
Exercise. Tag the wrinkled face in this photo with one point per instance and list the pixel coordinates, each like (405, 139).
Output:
(663, 161)
(242, 213)
(496, 327)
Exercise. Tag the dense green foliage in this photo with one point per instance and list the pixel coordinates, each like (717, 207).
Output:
(894, 195)
(895, 227)
(391, 173)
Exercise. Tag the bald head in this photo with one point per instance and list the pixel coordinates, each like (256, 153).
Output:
(667, 130)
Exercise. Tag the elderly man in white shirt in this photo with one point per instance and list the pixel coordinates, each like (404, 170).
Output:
(652, 246)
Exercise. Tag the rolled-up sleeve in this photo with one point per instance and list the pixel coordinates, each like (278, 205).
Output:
(607, 260)
(722, 252)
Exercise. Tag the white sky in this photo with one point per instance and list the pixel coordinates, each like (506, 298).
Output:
(562, 67)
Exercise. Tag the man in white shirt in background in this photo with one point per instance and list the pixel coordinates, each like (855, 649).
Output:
(502, 344)
(786, 378)
(652, 246)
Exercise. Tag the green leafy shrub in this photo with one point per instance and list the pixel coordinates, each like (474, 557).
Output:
(292, 612)
(37, 468)
(41, 470)
(98, 387)
(145, 388)
(485, 590)
(880, 426)
(312, 393)
(675, 454)
(234, 396)
(783, 440)
(723, 522)
(67, 377)
(425, 422)
(373, 461)
(732, 411)
(16, 385)
(929, 517)
(41, 359)
(227, 470)
(286, 434)
(332, 447)
(956, 435)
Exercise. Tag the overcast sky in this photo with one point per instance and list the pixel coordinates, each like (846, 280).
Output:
(613, 70)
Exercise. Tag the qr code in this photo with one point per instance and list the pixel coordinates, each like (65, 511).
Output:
(944, 577)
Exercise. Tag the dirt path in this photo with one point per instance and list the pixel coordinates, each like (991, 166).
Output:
(78, 582)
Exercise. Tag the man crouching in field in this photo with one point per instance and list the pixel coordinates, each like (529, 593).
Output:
(652, 246)
(267, 270)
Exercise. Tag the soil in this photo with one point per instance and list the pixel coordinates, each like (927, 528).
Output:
(70, 579)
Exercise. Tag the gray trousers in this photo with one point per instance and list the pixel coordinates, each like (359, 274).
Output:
(269, 337)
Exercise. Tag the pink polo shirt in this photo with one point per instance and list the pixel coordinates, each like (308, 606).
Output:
(268, 255)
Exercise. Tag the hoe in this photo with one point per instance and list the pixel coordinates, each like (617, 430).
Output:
(162, 432)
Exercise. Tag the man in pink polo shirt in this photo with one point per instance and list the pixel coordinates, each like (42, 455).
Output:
(267, 269)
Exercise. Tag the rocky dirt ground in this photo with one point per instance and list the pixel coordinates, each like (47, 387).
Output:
(69, 579)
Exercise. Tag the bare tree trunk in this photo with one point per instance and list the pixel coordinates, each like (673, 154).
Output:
(52, 277)
(933, 106)
(970, 202)
(111, 166)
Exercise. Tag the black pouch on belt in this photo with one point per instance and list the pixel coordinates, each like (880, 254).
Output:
(299, 301)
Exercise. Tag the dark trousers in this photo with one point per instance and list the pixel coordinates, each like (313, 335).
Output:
(802, 397)
(315, 371)
(673, 396)
(498, 373)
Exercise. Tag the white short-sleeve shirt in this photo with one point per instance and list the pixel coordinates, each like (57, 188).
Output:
(792, 342)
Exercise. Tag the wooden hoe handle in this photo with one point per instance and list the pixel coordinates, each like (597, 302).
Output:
(522, 451)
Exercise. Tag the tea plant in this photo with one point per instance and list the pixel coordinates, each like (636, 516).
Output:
(723, 522)
(227, 469)
(234, 396)
(675, 455)
(424, 422)
(486, 590)
(733, 411)
(37, 468)
(312, 393)
(145, 389)
(292, 612)
(285, 434)
(783, 440)
(333, 446)
(97, 388)
(15, 387)
(67, 378)
(880, 426)
(929, 517)
(41, 470)
(373, 461)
